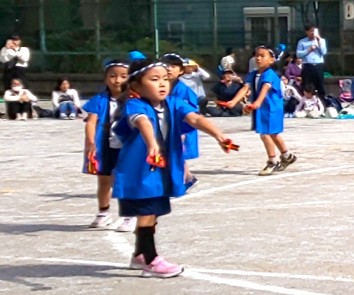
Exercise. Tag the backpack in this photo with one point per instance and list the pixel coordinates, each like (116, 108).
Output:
(345, 86)
(334, 102)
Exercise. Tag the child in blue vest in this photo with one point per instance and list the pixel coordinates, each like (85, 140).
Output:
(151, 126)
(185, 93)
(101, 145)
(267, 104)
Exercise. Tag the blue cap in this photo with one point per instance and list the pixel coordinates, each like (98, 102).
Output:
(282, 47)
(136, 55)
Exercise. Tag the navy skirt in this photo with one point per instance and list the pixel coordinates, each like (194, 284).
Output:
(140, 207)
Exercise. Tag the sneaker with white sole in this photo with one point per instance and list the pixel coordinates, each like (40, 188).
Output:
(72, 116)
(285, 162)
(191, 183)
(137, 262)
(128, 225)
(101, 220)
(160, 268)
(63, 116)
(269, 168)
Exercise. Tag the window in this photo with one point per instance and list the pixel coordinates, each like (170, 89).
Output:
(260, 24)
(176, 31)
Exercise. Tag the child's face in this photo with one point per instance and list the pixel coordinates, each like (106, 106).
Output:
(115, 77)
(65, 85)
(174, 71)
(154, 85)
(308, 94)
(227, 77)
(285, 80)
(264, 58)
(189, 69)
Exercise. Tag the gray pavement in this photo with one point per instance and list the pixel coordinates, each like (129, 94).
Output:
(236, 232)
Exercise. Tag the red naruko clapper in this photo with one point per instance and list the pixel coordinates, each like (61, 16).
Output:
(228, 145)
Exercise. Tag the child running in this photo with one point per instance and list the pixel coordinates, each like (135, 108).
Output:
(101, 144)
(152, 125)
(185, 93)
(268, 107)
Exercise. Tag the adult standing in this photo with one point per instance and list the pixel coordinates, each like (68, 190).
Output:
(312, 50)
(15, 59)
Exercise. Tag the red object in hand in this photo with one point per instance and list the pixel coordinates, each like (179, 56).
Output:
(249, 107)
(156, 161)
(92, 164)
(228, 145)
(221, 103)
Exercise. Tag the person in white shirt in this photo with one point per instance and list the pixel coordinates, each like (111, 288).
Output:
(310, 105)
(66, 101)
(18, 101)
(15, 59)
(291, 97)
(193, 77)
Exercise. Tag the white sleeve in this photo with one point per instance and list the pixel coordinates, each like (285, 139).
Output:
(7, 54)
(31, 96)
(23, 54)
(55, 99)
(76, 98)
(132, 118)
(203, 73)
(9, 96)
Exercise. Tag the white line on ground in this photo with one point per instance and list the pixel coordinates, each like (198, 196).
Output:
(248, 284)
(261, 179)
(196, 275)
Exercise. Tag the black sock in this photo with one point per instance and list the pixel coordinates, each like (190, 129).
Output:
(145, 243)
(102, 209)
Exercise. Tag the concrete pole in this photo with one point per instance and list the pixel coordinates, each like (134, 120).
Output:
(215, 32)
(156, 31)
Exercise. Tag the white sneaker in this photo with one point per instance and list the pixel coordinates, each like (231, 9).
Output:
(18, 117)
(63, 116)
(24, 117)
(128, 225)
(72, 116)
(102, 219)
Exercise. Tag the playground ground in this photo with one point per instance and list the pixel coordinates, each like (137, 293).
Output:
(235, 233)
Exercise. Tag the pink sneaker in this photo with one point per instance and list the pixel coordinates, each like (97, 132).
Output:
(137, 262)
(160, 268)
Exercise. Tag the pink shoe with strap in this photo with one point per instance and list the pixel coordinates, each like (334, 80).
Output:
(160, 268)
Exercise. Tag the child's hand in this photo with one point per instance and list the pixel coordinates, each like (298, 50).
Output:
(230, 104)
(227, 145)
(90, 150)
(153, 149)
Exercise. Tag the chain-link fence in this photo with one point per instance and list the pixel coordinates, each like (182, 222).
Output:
(75, 36)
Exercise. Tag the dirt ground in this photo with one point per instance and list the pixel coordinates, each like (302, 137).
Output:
(235, 233)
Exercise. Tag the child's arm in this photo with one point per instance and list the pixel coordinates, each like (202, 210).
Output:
(90, 132)
(299, 106)
(238, 97)
(320, 106)
(261, 97)
(199, 122)
(147, 132)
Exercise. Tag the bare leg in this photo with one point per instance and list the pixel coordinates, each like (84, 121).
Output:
(279, 142)
(104, 184)
(269, 145)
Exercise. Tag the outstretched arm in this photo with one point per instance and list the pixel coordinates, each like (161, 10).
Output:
(203, 124)
(147, 132)
(238, 97)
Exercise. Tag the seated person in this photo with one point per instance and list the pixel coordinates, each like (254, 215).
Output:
(225, 90)
(293, 73)
(345, 95)
(193, 77)
(66, 101)
(291, 97)
(310, 105)
(18, 101)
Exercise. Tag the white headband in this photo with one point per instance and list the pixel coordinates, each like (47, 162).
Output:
(155, 64)
(174, 55)
(115, 64)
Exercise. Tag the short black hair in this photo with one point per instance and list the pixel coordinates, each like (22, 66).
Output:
(229, 50)
(172, 59)
(310, 88)
(309, 26)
